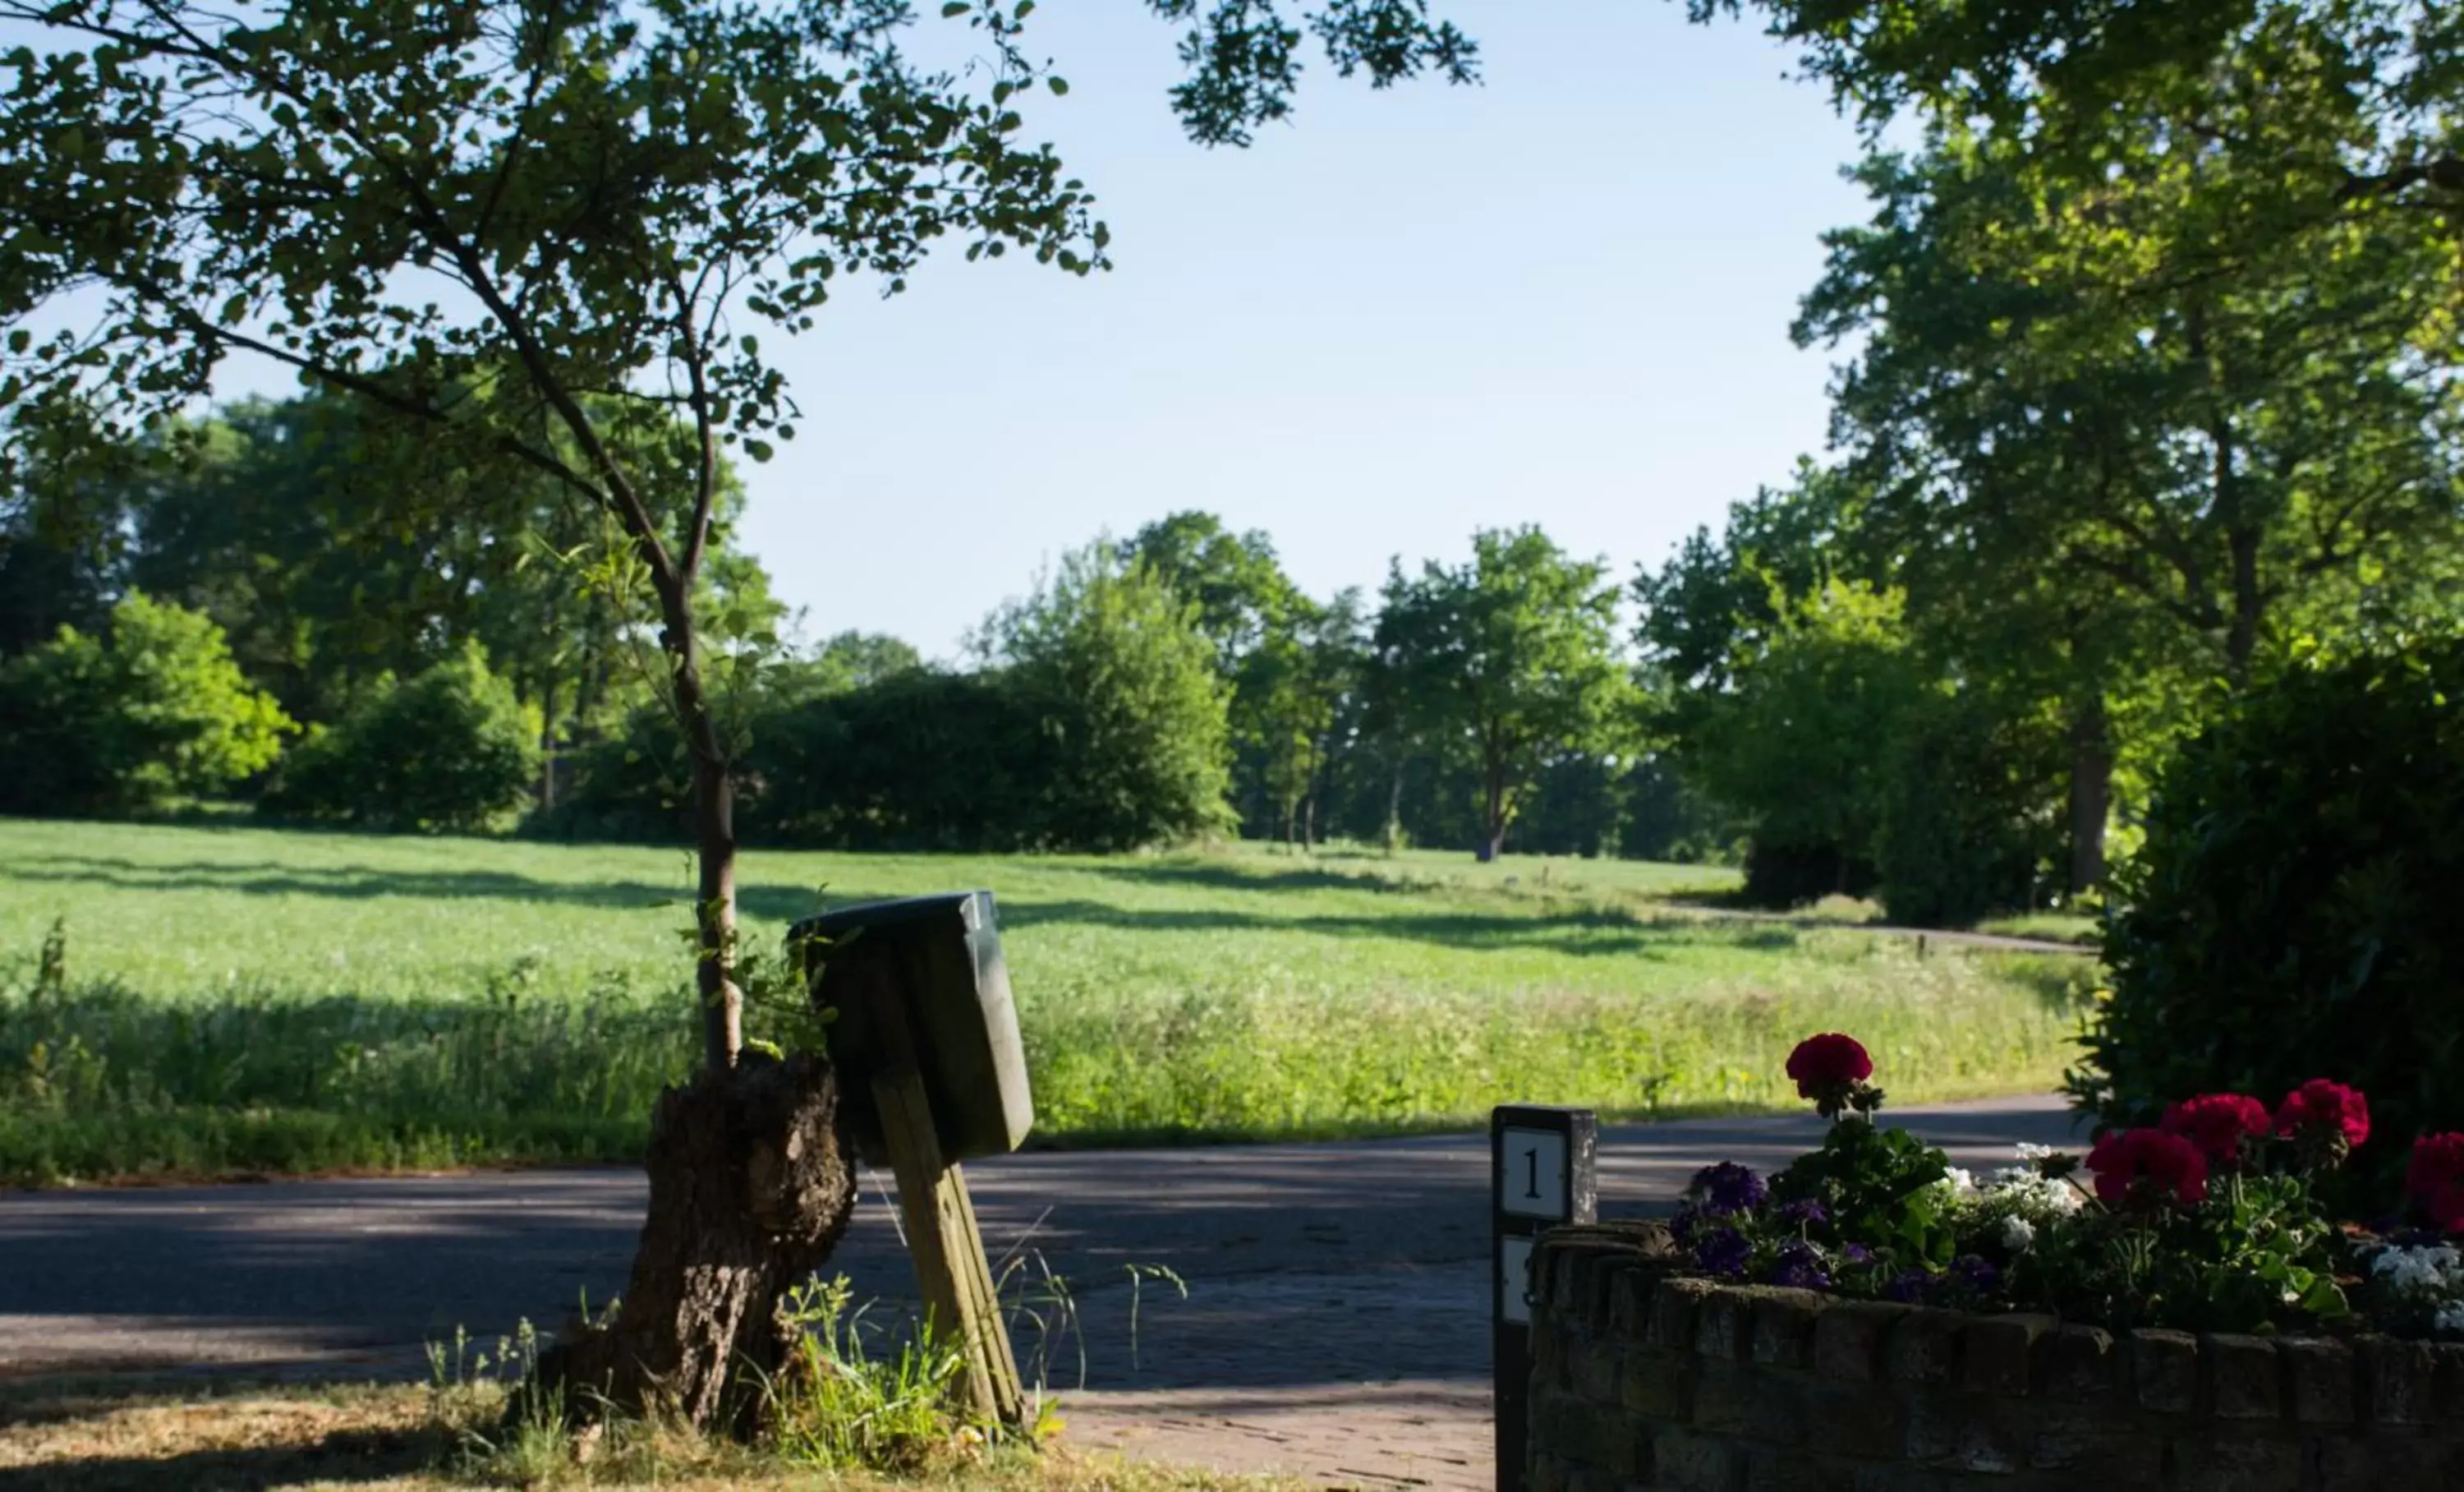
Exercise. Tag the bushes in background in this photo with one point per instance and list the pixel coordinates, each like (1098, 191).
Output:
(1099, 724)
(152, 710)
(918, 760)
(2297, 907)
(449, 748)
(1110, 664)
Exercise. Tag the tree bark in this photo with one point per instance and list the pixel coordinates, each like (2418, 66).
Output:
(722, 1003)
(1493, 813)
(2242, 638)
(547, 745)
(713, 787)
(750, 1190)
(1394, 804)
(2091, 793)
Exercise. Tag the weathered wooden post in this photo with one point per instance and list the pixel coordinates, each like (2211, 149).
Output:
(926, 1040)
(1542, 1173)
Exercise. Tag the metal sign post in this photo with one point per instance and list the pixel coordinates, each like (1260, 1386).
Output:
(1543, 1171)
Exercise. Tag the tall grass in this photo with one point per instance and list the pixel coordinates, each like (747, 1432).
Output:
(228, 999)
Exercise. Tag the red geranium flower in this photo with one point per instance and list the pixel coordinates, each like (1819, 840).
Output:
(2218, 1122)
(2166, 1162)
(2435, 1179)
(1828, 1062)
(2326, 1110)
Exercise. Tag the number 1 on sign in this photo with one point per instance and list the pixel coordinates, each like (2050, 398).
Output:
(1540, 1190)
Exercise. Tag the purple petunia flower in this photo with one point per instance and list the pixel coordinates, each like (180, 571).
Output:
(1682, 1225)
(1805, 1212)
(1909, 1285)
(1724, 1251)
(1857, 1253)
(1977, 1273)
(1727, 1187)
(1800, 1267)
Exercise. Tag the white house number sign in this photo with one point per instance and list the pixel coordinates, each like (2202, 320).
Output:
(1534, 1185)
(1543, 1171)
(1535, 1176)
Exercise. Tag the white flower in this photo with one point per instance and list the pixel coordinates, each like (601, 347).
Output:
(2450, 1318)
(2018, 1234)
(2031, 1155)
(2033, 1189)
(1955, 1185)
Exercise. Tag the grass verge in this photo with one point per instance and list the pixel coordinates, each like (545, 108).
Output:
(168, 1435)
(233, 1000)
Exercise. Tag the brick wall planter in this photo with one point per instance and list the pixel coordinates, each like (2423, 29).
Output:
(1642, 1380)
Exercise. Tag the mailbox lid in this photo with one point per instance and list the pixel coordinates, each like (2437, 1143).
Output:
(946, 949)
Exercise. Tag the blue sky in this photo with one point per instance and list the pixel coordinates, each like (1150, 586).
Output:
(1560, 298)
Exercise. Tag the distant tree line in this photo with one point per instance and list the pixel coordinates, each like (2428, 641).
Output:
(297, 604)
(2106, 461)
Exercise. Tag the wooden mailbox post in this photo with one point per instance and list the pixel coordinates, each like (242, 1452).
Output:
(926, 1040)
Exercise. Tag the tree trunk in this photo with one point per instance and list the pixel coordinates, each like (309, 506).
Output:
(713, 785)
(722, 1003)
(750, 1190)
(2091, 793)
(2242, 639)
(2241, 536)
(1395, 807)
(1493, 814)
(1309, 821)
(748, 1187)
(547, 745)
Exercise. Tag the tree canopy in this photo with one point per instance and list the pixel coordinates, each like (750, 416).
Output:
(1507, 660)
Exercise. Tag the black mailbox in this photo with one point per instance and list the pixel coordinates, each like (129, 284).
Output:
(939, 957)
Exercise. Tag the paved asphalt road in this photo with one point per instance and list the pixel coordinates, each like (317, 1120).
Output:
(326, 1270)
(1335, 1321)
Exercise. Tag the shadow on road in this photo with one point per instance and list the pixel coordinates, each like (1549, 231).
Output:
(1305, 1263)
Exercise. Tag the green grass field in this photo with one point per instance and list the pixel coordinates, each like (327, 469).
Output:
(235, 999)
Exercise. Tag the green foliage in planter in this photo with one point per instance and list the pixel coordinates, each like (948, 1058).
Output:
(1879, 1188)
(2295, 909)
(2255, 1255)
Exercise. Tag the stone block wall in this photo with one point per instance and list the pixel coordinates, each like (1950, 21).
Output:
(1643, 1380)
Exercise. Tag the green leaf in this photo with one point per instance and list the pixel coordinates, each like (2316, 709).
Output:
(758, 450)
(1059, 85)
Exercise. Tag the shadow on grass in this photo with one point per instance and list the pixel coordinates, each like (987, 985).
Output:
(1235, 877)
(349, 1455)
(338, 1454)
(1588, 931)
